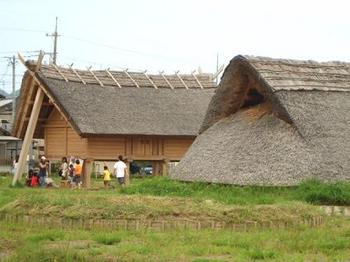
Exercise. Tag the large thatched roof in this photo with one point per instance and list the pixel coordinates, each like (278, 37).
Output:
(276, 122)
(107, 102)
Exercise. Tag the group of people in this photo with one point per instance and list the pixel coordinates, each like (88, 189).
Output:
(71, 171)
(120, 171)
(39, 177)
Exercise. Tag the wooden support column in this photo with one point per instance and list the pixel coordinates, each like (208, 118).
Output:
(28, 137)
(127, 175)
(27, 142)
(165, 167)
(87, 170)
(156, 168)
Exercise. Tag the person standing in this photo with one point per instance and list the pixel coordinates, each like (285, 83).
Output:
(64, 169)
(106, 177)
(15, 164)
(42, 171)
(78, 172)
(120, 170)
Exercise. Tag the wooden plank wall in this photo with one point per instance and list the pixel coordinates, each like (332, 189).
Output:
(175, 148)
(62, 140)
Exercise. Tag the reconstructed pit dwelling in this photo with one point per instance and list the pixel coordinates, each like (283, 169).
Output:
(274, 122)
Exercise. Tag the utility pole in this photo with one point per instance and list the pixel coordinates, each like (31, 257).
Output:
(55, 35)
(13, 89)
(13, 63)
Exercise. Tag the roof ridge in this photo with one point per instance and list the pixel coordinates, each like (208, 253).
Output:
(125, 78)
(294, 62)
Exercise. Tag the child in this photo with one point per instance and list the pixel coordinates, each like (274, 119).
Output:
(78, 171)
(34, 179)
(106, 177)
(71, 174)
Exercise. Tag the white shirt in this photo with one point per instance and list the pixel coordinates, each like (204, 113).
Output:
(120, 168)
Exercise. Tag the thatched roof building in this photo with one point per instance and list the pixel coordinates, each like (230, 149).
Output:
(274, 122)
(98, 115)
(120, 102)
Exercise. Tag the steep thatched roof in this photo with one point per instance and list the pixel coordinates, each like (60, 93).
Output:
(274, 122)
(122, 102)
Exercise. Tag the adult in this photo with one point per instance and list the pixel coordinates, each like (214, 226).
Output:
(15, 164)
(120, 170)
(64, 168)
(42, 171)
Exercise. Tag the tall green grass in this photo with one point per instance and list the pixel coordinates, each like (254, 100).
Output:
(316, 192)
(228, 194)
(329, 242)
(311, 191)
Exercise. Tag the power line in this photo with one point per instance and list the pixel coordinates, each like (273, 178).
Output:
(125, 50)
(21, 29)
(17, 75)
(12, 52)
(6, 70)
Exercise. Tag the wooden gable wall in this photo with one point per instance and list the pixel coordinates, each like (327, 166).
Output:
(61, 140)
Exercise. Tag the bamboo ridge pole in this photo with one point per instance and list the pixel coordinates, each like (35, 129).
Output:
(31, 124)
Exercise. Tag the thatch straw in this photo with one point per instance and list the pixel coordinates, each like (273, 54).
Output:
(297, 130)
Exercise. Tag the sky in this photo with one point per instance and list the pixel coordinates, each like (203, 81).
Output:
(167, 36)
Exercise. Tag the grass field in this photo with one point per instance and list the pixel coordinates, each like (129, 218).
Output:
(162, 198)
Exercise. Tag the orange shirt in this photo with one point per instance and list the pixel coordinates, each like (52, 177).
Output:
(78, 169)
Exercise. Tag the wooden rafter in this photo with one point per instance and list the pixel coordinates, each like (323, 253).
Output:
(31, 89)
(76, 73)
(132, 79)
(150, 80)
(197, 80)
(166, 80)
(51, 98)
(93, 74)
(182, 81)
(28, 137)
(111, 76)
(59, 71)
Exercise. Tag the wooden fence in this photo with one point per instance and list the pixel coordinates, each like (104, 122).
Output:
(156, 224)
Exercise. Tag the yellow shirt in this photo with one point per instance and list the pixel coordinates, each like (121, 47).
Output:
(106, 175)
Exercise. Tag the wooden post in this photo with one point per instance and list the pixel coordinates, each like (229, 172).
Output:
(29, 135)
(127, 175)
(165, 167)
(87, 172)
(27, 142)
(156, 168)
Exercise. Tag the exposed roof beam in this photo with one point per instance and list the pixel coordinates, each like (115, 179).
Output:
(150, 80)
(198, 82)
(93, 74)
(132, 79)
(53, 101)
(166, 80)
(27, 141)
(111, 76)
(59, 71)
(31, 89)
(217, 73)
(39, 119)
(182, 81)
(76, 73)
